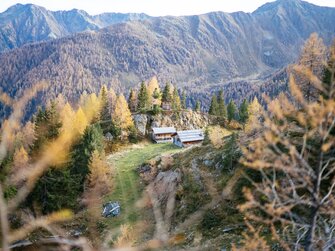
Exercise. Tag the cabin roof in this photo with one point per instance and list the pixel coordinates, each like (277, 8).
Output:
(190, 135)
(163, 130)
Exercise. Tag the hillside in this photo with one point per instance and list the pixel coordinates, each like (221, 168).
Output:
(198, 52)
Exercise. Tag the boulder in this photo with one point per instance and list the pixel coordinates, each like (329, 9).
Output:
(141, 122)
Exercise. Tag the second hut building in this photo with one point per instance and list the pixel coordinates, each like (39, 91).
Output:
(188, 138)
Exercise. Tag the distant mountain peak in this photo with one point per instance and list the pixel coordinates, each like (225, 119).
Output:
(280, 3)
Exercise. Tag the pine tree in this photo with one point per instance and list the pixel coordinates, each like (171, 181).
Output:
(231, 153)
(244, 112)
(183, 100)
(231, 110)
(166, 96)
(105, 114)
(143, 97)
(197, 106)
(47, 126)
(132, 101)
(214, 107)
(122, 116)
(176, 105)
(92, 140)
(156, 101)
(222, 111)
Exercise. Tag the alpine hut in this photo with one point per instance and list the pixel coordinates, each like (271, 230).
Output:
(188, 138)
(162, 134)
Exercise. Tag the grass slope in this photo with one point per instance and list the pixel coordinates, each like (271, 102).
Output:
(127, 188)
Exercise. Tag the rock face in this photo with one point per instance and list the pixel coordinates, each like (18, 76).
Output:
(185, 120)
(141, 123)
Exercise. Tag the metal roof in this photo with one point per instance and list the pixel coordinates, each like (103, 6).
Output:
(163, 130)
(191, 135)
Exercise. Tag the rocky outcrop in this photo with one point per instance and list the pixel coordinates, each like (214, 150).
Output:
(141, 123)
(185, 120)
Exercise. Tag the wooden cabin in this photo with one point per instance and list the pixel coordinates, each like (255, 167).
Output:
(162, 134)
(166, 106)
(188, 138)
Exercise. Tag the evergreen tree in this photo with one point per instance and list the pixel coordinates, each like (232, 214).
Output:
(47, 125)
(231, 153)
(231, 110)
(244, 112)
(222, 111)
(214, 108)
(207, 140)
(176, 105)
(183, 100)
(166, 96)
(57, 189)
(91, 141)
(197, 106)
(105, 114)
(132, 101)
(143, 97)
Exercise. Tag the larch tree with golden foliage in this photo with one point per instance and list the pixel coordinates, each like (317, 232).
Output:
(310, 66)
(122, 115)
(255, 114)
(20, 163)
(98, 185)
(153, 88)
(80, 121)
(294, 155)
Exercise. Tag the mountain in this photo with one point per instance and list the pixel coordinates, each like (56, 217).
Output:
(198, 52)
(22, 24)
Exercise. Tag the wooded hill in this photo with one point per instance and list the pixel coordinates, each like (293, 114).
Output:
(199, 51)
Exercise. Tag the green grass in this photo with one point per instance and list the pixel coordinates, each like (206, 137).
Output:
(127, 188)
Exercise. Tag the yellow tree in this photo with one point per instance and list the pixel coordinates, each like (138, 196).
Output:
(67, 116)
(153, 89)
(80, 121)
(27, 135)
(294, 154)
(122, 115)
(98, 186)
(112, 97)
(255, 113)
(91, 107)
(20, 160)
(311, 64)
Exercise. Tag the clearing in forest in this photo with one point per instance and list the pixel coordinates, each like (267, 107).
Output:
(127, 188)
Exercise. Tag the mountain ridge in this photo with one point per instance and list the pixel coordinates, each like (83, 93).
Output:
(26, 23)
(199, 51)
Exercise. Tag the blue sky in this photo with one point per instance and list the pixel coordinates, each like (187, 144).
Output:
(153, 7)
